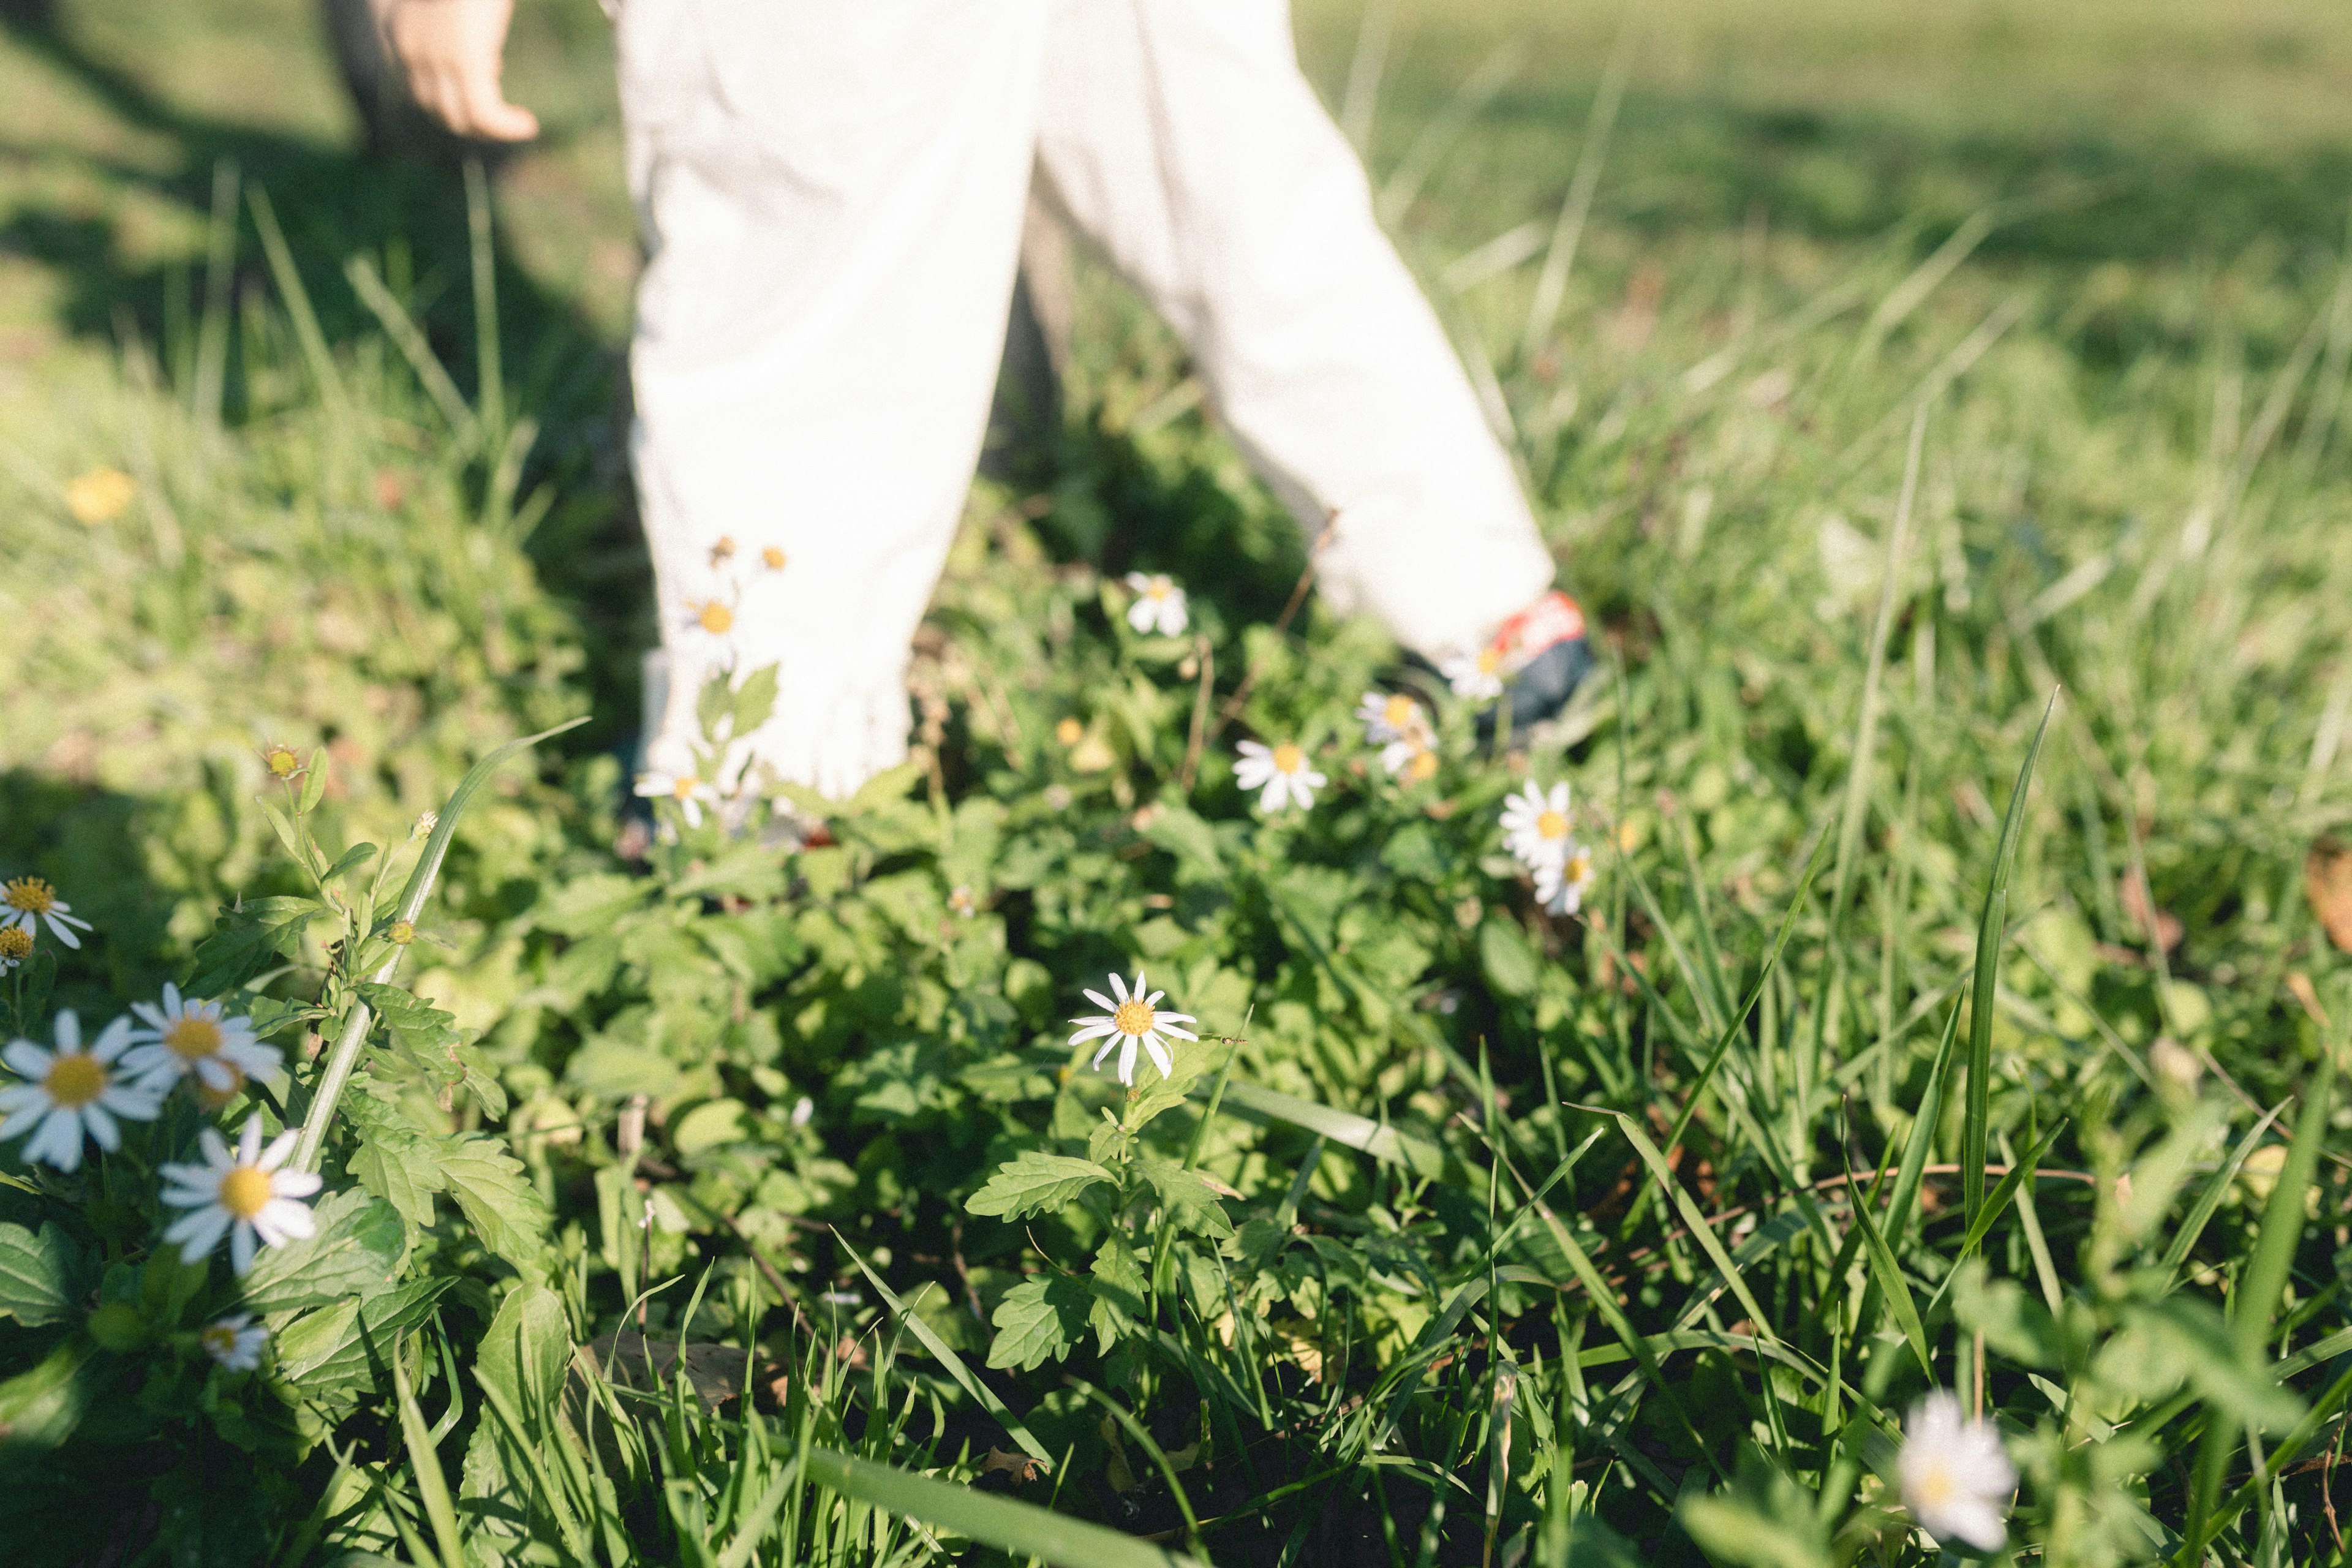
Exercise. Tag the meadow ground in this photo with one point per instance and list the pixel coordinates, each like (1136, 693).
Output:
(1878, 375)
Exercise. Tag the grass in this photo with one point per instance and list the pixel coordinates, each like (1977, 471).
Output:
(1909, 373)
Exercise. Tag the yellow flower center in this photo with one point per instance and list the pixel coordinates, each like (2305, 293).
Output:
(15, 945)
(772, 559)
(1937, 1487)
(1157, 588)
(1551, 824)
(1134, 1018)
(1580, 868)
(1490, 659)
(219, 1341)
(74, 1081)
(1288, 759)
(724, 550)
(1068, 731)
(1423, 767)
(31, 895)
(282, 761)
(99, 496)
(402, 933)
(685, 785)
(715, 619)
(246, 1191)
(1398, 711)
(193, 1037)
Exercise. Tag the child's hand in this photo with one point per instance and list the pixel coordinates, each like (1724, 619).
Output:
(450, 52)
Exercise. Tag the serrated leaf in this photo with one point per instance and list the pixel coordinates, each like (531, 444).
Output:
(498, 1199)
(1038, 1320)
(36, 1274)
(394, 1161)
(335, 1348)
(245, 939)
(1118, 1288)
(356, 1250)
(1035, 1183)
(417, 1026)
(1190, 1202)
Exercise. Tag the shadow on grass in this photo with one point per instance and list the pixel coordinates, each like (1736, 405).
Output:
(406, 213)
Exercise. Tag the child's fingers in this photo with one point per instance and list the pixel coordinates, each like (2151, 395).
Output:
(488, 113)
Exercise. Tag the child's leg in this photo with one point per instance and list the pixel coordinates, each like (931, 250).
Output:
(1180, 135)
(832, 193)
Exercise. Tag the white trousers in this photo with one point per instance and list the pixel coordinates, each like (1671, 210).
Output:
(832, 193)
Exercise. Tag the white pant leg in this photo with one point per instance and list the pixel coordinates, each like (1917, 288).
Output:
(832, 193)
(1180, 135)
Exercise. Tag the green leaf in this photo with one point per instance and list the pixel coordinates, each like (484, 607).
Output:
(36, 1274)
(1038, 1320)
(1511, 965)
(394, 1160)
(527, 1348)
(1185, 836)
(418, 1030)
(338, 1348)
(755, 700)
(437, 848)
(709, 1125)
(2259, 1289)
(1118, 1286)
(1022, 1528)
(40, 1406)
(356, 1250)
(1990, 928)
(1035, 1183)
(245, 939)
(1191, 1202)
(498, 1200)
(609, 1069)
(1764, 1520)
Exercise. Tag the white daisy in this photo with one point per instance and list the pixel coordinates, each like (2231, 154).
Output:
(1956, 1482)
(28, 901)
(243, 1195)
(1158, 604)
(234, 1341)
(1561, 889)
(1390, 717)
(1535, 825)
(16, 946)
(1479, 675)
(184, 1035)
(691, 792)
(1281, 771)
(69, 1091)
(706, 631)
(1135, 1019)
(1409, 758)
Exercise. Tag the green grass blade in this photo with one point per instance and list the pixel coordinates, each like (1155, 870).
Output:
(2208, 1202)
(2264, 1280)
(1700, 1229)
(1418, 1155)
(998, 1521)
(409, 339)
(298, 305)
(425, 1463)
(1755, 994)
(762, 1514)
(929, 1339)
(1989, 930)
(1916, 1147)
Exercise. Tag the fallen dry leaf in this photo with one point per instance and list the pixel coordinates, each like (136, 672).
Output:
(2327, 883)
(1021, 1468)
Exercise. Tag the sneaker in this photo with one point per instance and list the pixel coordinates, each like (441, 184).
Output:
(1543, 657)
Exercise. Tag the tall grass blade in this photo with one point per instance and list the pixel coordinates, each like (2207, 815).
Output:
(488, 366)
(1990, 929)
(1551, 283)
(998, 1521)
(424, 1464)
(931, 1340)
